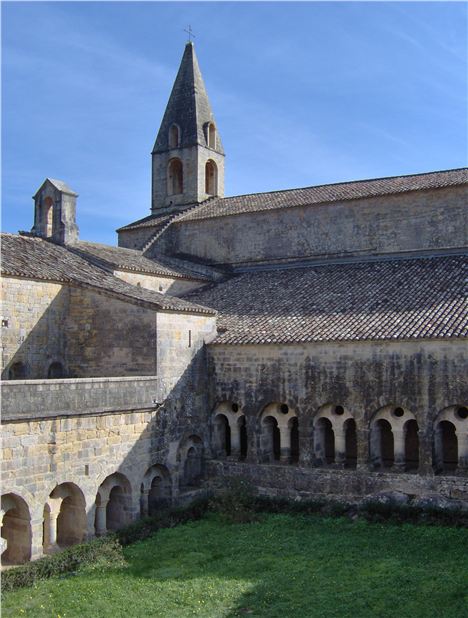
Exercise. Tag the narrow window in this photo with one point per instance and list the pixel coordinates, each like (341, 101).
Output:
(48, 214)
(211, 135)
(175, 177)
(174, 136)
(211, 178)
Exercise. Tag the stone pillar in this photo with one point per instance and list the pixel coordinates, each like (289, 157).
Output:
(101, 518)
(144, 503)
(340, 446)
(254, 454)
(399, 450)
(363, 454)
(462, 449)
(425, 453)
(52, 531)
(285, 443)
(306, 443)
(235, 440)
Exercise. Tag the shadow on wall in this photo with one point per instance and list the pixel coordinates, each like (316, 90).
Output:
(107, 488)
(82, 333)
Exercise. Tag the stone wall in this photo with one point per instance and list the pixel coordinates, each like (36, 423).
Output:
(425, 379)
(414, 221)
(163, 285)
(33, 318)
(107, 336)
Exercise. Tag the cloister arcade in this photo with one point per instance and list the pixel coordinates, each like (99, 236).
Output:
(331, 437)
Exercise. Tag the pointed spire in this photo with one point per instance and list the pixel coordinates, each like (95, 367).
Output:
(188, 106)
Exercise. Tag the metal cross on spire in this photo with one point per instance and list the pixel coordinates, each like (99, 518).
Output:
(190, 33)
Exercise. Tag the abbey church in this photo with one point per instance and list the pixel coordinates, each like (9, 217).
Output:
(311, 340)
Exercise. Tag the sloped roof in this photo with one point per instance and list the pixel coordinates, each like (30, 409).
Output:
(133, 260)
(309, 196)
(35, 258)
(58, 184)
(188, 106)
(421, 298)
(222, 207)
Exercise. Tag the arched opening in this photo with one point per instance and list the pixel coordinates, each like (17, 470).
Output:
(324, 441)
(113, 504)
(211, 135)
(68, 503)
(175, 177)
(211, 178)
(115, 509)
(193, 467)
(16, 530)
(271, 439)
(55, 370)
(243, 437)
(385, 443)
(448, 446)
(17, 371)
(190, 458)
(294, 428)
(411, 445)
(48, 216)
(350, 443)
(159, 493)
(223, 435)
(174, 136)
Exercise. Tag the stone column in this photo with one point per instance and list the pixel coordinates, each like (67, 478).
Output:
(144, 502)
(235, 440)
(101, 518)
(340, 446)
(363, 454)
(285, 443)
(425, 453)
(399, 450)
(254, 430)
(306, 443)
(462, 449)
(52, 531)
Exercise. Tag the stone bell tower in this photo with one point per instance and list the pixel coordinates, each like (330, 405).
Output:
(55, 212)
(188, 157)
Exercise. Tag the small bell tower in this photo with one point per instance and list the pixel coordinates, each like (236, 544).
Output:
(55, 212)
(188, 156)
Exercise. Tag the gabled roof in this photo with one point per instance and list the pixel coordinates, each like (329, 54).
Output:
(310, 196)
(421, 298)
(344, 191)
(188, 106)
(35, 258)
(58, 184)
(134, 260)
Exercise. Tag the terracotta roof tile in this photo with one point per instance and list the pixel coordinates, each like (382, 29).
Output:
(35, 258)
(386, 299)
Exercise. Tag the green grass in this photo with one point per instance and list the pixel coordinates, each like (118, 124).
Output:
(283, 566)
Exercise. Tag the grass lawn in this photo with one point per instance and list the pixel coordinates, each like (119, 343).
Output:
(284, 566)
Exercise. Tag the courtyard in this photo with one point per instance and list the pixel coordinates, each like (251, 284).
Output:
(281, 566)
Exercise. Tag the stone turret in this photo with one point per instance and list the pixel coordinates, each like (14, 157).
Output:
(55, 212)
(188, 157)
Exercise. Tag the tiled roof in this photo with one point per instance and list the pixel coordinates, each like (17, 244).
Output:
(222, 207)
(132, 260)
(34, 258)
(308, 196)
(152, 220)
(395, 299)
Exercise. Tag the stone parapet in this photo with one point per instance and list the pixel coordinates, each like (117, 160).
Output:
(41, 399)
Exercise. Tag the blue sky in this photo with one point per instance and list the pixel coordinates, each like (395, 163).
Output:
(303, 94)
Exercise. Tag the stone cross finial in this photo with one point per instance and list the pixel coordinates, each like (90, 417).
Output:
(190, 33)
